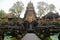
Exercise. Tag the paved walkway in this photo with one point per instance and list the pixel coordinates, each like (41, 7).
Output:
(30, 36)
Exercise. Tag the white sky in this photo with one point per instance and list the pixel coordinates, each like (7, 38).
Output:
(6, 4)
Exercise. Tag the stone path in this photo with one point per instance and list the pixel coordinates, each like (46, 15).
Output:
(30, 36)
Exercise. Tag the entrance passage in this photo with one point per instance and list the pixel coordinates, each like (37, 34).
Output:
(30, 36)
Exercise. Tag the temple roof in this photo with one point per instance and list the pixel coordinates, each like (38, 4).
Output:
(30, 11)
(9, 15)
(51, 15)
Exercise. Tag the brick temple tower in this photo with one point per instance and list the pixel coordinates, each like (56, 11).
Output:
(30, 14)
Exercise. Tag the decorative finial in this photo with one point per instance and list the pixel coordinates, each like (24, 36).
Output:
(30, 1)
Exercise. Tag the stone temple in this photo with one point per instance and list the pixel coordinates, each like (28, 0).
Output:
(30, 14)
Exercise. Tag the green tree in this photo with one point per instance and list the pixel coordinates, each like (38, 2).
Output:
(13, 38)
(17, 8)
(48, 38)
(42, 7)
(51, 7)
(2, 13)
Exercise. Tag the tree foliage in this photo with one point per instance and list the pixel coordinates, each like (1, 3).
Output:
(44, 8)
(2, 13)
(52, 7)
(48, 38)
(13, 38)
(17, 8)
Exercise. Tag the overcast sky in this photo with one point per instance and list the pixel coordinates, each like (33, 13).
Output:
(6, 4)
